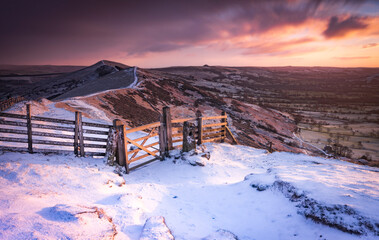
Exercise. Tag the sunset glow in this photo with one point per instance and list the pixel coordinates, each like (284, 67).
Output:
(171, 33)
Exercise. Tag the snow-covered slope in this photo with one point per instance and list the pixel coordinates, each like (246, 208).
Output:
(98, 77)
(114, 80)
(240, 192)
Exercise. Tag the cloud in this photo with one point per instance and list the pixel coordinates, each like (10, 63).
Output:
(352, 58)
(340, 28)
(278, 48)
(370, 45)
(44, 30)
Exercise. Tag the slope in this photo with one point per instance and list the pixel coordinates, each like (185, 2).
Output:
(54, 87)
(252, 124)
(240, 193)
(283, 196)
(267, 106)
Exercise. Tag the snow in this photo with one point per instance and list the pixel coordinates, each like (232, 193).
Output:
(133, 85)
(46, 108)
(218, 192)
(64, 197)
(83, 106)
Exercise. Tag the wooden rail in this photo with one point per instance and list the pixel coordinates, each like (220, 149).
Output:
(72, 134)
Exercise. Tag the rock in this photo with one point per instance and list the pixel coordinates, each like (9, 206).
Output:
(201, 164)
(207, 155)
(155, 228)
(221, 234)
(363, 161)
(342, 217)
(194, 160)
(260, 187)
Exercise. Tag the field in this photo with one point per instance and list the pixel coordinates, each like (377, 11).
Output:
(331, 106)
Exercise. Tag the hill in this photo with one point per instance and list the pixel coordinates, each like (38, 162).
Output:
(240, 192)
(17, 80)
(296, 109)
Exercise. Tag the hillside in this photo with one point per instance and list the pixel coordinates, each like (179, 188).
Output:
(218, 191)
(14, 76)
(330, 106)
(52, 81)
(253, 125)
(295, 109)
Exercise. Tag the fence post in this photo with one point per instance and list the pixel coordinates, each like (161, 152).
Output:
(29, 128)
(189, 141)
(162, 139)
(199, 128)
(81, 137)
(167, 129)
(223, 120)
(110, 151)
(122, 145)
(78, 135)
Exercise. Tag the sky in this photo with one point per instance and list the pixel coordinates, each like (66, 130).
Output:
(341, 33)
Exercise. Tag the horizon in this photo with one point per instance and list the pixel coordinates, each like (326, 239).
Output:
(203, 65)
(149, 34)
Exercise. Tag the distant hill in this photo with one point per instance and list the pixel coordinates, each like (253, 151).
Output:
(48, 82)
(16, 80)
(30, 70)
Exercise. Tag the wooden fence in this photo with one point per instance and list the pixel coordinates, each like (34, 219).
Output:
(142, 144)
(64, 133)
(172, 133)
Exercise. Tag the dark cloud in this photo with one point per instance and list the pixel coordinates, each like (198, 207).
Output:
(339, 28)
(44, 30)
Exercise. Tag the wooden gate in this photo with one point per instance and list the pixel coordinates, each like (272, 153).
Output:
(154, 141)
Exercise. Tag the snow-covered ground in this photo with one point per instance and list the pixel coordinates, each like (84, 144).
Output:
(240, 192)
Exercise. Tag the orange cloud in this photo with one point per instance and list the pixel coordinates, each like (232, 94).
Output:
(277, 48)
(352, 58)
(370, 45)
